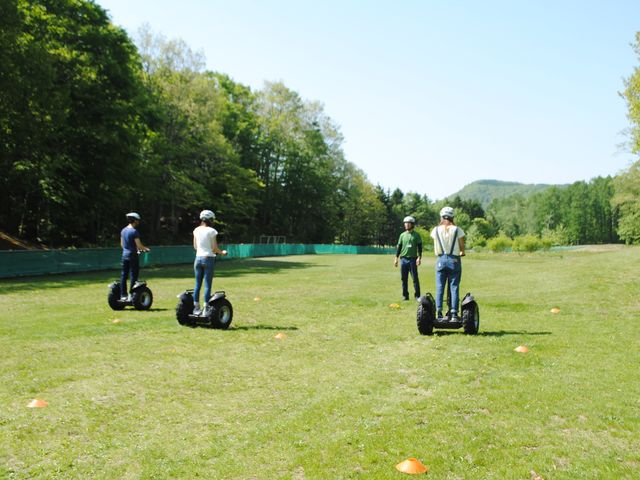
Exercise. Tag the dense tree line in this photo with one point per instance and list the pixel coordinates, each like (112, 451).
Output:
(627, 184)
(94, 124)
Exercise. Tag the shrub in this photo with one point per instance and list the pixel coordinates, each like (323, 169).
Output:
(526, 243)
(478, 241)
(501, 243)
(557, 236)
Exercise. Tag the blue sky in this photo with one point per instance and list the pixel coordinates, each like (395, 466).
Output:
(432, 95)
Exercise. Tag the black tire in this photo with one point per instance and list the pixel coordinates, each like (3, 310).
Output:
(184, 309)
(426, 315)
(114, 297)
(221, 314)
(142, 298)
(471, 318)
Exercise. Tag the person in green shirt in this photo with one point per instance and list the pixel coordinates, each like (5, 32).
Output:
(409, 251)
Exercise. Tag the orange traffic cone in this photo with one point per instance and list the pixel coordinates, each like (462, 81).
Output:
(521, 349)
(257, 299)
(394, 305)
(37, 403)
(280, 336)
(412, 466)
(555, 310)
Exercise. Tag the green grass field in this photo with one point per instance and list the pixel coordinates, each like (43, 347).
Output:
(350, 392)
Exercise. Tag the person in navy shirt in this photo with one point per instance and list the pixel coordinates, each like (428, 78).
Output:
(131, 245)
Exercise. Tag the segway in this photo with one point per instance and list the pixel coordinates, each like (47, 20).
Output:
(140, 298)
(217, 313)
(427, 320)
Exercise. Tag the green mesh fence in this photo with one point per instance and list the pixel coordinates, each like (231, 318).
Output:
(42, 262)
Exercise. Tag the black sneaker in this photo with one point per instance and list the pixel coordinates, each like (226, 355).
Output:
(439, 317)
(454, 318)
(405, 298)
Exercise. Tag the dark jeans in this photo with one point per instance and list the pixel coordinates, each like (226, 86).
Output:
(203, 269)
(409, 265)
(448, 269)
(130, 265)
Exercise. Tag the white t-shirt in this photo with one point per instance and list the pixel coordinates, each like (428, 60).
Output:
(446, 234)
(203, 238)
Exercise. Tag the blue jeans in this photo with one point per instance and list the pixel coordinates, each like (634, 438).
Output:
(203, 268)
(409, 265)
(448, 269)
(130, 265)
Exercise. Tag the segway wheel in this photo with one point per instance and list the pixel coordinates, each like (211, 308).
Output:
(113, 298)
(184, 309)
(221, 314)
(426, 315)
(471, 319)
(142, 298)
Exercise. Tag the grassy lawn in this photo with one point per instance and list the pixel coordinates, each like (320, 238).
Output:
(350, 392)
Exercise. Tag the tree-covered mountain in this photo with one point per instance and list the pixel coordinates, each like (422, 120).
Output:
(484, 191)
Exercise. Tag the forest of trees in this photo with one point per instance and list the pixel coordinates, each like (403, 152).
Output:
(94, 124)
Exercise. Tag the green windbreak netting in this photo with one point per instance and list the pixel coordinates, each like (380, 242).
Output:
(41, 262)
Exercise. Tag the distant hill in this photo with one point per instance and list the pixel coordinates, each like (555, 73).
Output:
(484, 191)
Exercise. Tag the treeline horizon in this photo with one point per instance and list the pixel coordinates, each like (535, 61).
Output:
(95, 125)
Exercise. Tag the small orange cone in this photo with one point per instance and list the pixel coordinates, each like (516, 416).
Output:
(555, 310)
(116, 320)
(280, 336)
(394, 305)
(257, 299)
(521, 349)
(412, 466)
(37, 403)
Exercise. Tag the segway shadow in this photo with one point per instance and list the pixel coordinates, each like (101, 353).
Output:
(218, 312)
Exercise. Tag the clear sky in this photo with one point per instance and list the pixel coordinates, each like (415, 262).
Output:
(433, 94)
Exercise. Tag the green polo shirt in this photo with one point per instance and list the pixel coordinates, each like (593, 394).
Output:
(410, 244)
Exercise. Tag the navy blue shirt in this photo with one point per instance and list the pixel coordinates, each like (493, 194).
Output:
(128, 236)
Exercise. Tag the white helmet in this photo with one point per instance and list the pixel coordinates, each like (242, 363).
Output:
(207, 215)
(446, 212)
(133, 215)
(409, 219)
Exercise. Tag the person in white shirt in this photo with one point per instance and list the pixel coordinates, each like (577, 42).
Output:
(206, 246)
(448, 245)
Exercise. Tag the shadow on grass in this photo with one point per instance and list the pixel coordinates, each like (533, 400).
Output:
(498, 333)
(256, 266)
(227, 268)
(261, 327)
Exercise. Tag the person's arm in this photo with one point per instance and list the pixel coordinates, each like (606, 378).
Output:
(461, 244)
(195, 245)
(398, 250)
(419, 259)
(140, 246)
(215, 249)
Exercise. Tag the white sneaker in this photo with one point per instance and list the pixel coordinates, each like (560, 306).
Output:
(196, 308)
